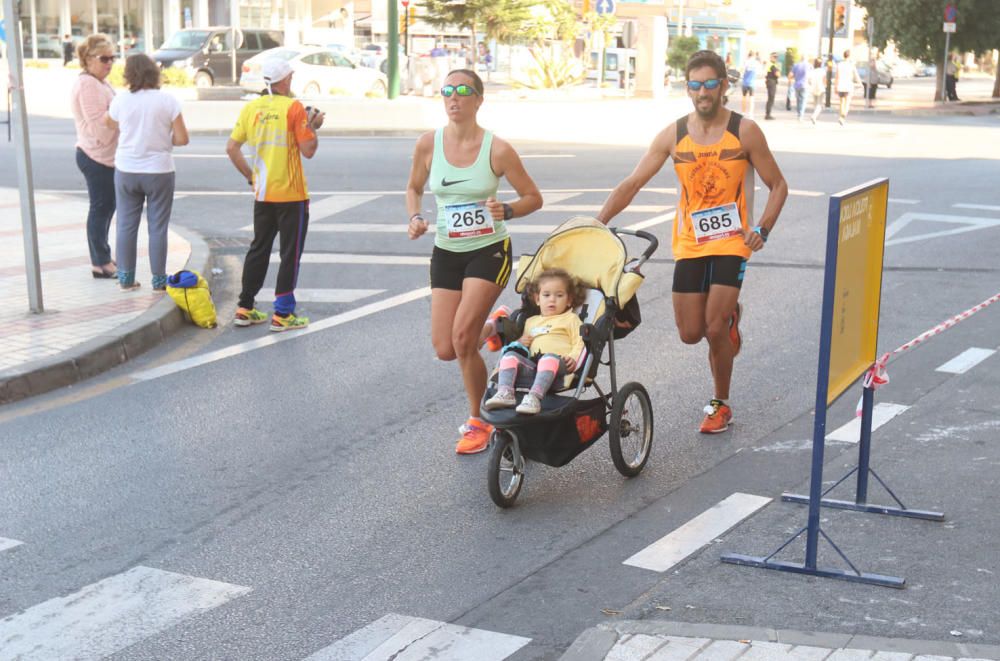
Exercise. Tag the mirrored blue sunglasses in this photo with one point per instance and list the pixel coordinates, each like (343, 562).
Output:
(695, 85)
(461, 90)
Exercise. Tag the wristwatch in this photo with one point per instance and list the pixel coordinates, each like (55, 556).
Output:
(763, 231)
(508, 211)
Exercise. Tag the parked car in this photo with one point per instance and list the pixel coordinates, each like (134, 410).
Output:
(881, 68)
(207, 54)
(376, 56)
(903, 69)
(925, 70)
(319, 71)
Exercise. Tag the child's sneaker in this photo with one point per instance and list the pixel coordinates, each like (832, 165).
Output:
(245, 317)
(504, 399)
(530, 405)
(291, 322)
(493, 342)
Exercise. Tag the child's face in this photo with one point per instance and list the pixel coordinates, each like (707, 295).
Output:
(552, 297)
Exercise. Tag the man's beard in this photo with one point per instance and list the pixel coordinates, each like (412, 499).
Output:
(712, 111)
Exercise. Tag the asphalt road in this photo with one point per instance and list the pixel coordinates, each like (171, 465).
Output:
(319, 472)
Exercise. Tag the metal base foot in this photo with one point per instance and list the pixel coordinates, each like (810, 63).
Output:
(865, 507)
(823, 572)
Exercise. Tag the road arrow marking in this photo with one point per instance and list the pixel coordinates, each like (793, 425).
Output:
(964, 223)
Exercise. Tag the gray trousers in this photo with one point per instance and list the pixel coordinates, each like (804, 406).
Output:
(132, 189)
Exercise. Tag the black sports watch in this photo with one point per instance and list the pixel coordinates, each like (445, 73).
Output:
(763, 231)
(508, 211)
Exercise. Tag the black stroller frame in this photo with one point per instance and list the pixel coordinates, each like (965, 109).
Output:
(567, 424)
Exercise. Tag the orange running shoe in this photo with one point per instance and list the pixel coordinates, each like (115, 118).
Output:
(734, 329)
(493, 342)
(717, 418)
(475, 437)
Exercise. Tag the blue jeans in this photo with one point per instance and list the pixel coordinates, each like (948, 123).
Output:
(101, 190)
(800, 101)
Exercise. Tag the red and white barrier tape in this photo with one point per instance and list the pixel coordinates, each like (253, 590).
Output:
(878, 376)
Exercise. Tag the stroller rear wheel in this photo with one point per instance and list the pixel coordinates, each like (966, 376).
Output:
(506, 469)
(630, 432)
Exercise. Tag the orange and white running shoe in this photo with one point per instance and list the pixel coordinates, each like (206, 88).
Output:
(475, 437)
(734, 329)
(718, 416)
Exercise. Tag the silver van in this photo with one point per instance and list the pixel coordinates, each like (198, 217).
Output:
(207, 53)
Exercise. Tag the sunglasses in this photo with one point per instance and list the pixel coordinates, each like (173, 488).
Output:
(695, 85)
(106, 59)
(461, 90)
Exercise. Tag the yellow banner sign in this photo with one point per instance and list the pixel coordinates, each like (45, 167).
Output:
(858, 288)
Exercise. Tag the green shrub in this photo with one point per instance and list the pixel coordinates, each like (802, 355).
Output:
(681, 50)
(117, 76)
(551, 72)
(36, 64)
(176, 77)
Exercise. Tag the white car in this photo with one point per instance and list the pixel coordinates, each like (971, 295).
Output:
(318, 72)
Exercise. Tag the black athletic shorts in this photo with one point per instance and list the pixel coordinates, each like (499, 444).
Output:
(696, 275)
(747, 90)
(492, 262)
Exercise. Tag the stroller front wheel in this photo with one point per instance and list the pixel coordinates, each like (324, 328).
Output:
(630, 432)
(506, 468)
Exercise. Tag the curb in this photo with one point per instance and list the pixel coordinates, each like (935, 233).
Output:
(595, 643)
(101, 353)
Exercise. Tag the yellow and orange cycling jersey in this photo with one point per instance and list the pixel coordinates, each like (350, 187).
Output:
(716, 201)
(273, 126)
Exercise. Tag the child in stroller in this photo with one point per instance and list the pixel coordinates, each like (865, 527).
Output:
(550, 347)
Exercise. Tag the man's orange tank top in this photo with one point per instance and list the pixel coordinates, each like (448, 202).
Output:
(711, 176)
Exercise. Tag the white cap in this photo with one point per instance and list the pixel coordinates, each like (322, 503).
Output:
(275, 70)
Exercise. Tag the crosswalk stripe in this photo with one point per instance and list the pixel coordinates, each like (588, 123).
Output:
(966, 360)
(334, 204)
(666, 552)
(345, 258)
(903, 200)
(400, 228)
(8, 543)
(651, 222)
(594, 208)
(110, 615)
(325, 295)
(980, 207)
(881, 414)
(403, 638)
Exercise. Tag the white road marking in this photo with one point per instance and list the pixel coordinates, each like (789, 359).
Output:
(523, 156)
(201, 156)
(345, 258)
(966, 223)
(8, 543)
(325, 295)
(981, 207)
(274, 338)
(334, 204)
(403, 638)
(881, 414)
(594, 208)
(900, 200)
(400, 228)
(110, 615)
(651, 222)
(805, 193)
(696, 533)
(966, 360)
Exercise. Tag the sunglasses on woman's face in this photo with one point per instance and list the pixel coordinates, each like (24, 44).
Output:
(461, 90)
(695, 85)
(106, 59)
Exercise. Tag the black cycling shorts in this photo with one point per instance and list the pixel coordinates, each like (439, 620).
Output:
(698, 274)
(492, 262)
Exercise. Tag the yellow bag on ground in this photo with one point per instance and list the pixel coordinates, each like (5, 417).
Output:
(190, 292)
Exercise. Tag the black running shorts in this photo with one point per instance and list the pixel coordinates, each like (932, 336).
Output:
(747, 90)
(696, 275)
(449, 269)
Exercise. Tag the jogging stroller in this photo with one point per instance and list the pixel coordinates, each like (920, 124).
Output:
(568, 424)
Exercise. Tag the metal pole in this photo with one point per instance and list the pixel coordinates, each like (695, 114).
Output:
(864, 445)
(392, 28)
(872, 70)
(34, 29)
(121, 29)
(22, 152)
(944, 65)
(829, 78)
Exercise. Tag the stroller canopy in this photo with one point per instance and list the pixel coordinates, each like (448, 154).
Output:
(587, 250)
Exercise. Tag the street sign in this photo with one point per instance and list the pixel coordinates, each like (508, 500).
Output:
(950, 14)
(949, 27)
(603, 7)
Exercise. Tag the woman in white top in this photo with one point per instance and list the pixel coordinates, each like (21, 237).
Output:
(816, 86)
(847, 78)
(151, 125)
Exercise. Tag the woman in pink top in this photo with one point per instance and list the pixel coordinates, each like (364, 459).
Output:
(95, 146)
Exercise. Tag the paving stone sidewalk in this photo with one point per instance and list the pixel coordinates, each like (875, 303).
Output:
(88, 325)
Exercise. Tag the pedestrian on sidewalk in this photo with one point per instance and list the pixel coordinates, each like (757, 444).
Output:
(750, 69)
(280, 130)
(771, 82)
(96, 143)
(151, 125)
(816, 86)
(67, 46)
(846, 80)
(471, 262)
(715, 153)
(951, 78)
(797, 80)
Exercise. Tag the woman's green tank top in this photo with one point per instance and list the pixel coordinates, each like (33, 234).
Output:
(463, 223)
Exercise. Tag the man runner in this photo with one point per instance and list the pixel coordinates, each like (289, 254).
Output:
(280, 131)
(715, 153)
